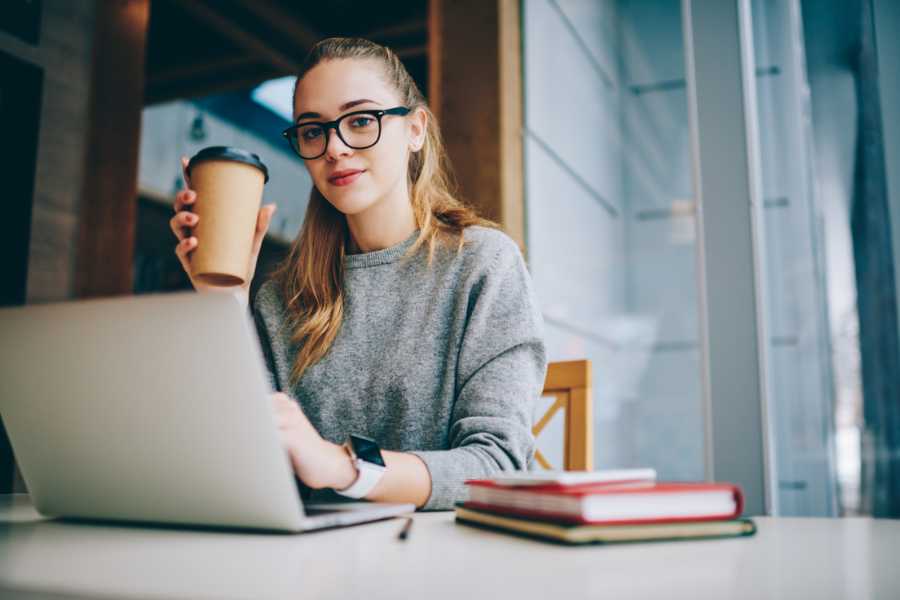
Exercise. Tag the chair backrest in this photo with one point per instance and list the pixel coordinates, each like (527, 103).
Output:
(569, 383)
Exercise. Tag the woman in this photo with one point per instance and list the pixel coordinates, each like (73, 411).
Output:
(398, 315)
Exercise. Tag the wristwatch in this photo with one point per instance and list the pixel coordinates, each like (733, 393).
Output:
(366, 458)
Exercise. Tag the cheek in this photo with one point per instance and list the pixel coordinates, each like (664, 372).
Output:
(388, 162)
(317, 170)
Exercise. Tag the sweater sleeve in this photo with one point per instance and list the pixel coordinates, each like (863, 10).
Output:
(500, 374)
(261, 317)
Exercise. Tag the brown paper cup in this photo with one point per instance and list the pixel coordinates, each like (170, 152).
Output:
(229, 195)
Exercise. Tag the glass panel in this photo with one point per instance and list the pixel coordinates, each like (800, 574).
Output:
(830, 275)
(800, 386)
(611, 226)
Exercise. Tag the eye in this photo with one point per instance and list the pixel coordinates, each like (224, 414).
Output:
(310, 133)
(361, 121)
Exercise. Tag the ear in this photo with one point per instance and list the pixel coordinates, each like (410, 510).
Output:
(418, 126)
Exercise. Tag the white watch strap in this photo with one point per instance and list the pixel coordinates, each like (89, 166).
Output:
(367, 477)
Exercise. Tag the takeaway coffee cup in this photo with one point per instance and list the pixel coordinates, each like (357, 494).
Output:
(229, 185)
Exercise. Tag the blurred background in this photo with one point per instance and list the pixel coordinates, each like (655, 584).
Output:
(707, 194)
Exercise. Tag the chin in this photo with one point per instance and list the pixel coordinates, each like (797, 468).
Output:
(351, 204)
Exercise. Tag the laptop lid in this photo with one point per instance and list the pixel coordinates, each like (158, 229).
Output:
(149, 408)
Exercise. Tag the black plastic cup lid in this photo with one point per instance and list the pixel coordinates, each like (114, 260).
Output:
(228, 153)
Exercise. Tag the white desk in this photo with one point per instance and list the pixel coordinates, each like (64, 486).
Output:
(788, 558)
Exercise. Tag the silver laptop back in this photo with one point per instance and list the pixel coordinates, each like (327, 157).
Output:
(149, 408)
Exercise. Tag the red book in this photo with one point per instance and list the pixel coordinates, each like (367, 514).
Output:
(611, 503)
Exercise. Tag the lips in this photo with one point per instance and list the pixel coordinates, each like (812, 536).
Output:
(345, 177)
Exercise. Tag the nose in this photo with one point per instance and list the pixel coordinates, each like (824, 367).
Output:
(335, 146)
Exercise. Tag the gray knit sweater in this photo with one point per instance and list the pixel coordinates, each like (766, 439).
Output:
(443, 361)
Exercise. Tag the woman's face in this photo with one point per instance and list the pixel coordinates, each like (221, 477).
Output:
(334, 88)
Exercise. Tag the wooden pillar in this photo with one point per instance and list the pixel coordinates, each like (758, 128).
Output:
(109, 195)
(475, 90)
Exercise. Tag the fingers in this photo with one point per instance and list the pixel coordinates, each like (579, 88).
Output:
(182, 224)
(187, 195)
(182, 251)
(184, 172)
(184, 198)
(184, 220)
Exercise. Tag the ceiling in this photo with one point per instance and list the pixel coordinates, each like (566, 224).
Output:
(197, 48)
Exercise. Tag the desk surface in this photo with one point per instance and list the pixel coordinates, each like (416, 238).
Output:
(788, 558)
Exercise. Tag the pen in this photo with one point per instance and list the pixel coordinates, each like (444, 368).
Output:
(404, 533)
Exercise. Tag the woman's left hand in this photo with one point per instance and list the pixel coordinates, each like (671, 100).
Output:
(316, 461)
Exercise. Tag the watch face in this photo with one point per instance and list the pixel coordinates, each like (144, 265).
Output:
(367, 450)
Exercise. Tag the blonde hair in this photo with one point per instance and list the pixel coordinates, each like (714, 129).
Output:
(311, 278)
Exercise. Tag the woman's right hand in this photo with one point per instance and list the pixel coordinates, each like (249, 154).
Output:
(183, 223)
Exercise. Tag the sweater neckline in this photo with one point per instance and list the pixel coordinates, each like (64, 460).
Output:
(379, 257)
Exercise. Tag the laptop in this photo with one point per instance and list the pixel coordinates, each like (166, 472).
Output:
(153, 408)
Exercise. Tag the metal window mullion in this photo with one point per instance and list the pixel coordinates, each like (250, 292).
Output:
(723, 128)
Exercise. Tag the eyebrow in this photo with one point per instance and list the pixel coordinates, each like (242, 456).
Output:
(342, 108)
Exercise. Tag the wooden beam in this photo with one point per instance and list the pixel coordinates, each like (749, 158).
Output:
(199, 69)
(301, 32)
(411, 51)
(511, 119)
(109, 196)
(475, 84)
(241, 36)
(213, 83)
(412, 27)
(435, 59)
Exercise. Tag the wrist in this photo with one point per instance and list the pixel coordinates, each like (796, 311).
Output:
(343, 472)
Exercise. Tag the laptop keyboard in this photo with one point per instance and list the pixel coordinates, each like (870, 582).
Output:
(312, 511)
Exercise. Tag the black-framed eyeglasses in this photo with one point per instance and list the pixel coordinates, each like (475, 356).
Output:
(359, 130)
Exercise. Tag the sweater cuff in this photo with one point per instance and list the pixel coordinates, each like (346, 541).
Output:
(447, 485)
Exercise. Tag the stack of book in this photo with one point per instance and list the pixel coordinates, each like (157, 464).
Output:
(604, 507)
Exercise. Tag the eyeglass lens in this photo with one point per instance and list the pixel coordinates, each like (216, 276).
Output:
(357, 131)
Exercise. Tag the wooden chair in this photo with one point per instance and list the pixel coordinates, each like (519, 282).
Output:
(569, 383)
